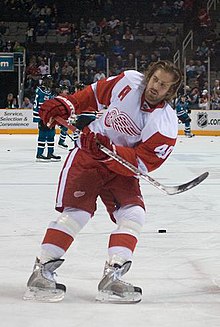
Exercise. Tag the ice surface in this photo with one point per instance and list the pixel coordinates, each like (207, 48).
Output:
(179, 271)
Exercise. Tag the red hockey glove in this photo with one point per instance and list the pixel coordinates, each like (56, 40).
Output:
(90, 143)
(59, 106)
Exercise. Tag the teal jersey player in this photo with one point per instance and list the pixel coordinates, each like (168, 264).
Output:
(46, 135)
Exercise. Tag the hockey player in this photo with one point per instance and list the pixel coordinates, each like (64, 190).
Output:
(45, 135)
(182, 109)
(140, 126)
(63, 90)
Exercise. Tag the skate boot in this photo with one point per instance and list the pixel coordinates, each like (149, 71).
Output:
(189, 134)
(42, 286)
(112, 289)
(52, 157)
(63, 145)
(42, 158)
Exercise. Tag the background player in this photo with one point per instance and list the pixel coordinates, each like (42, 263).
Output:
(182, 109)
(45, 135)
(63, 90)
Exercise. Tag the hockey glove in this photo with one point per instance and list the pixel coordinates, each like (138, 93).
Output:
(90, 143)
(59, 106)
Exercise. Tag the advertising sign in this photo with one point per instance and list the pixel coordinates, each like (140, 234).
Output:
(6, 62)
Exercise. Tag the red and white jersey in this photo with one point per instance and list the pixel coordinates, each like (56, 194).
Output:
(143, 135)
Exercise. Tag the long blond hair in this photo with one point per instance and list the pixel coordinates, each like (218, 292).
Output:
(168, 67)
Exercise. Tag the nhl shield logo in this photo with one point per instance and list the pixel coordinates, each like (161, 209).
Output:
(202, 119)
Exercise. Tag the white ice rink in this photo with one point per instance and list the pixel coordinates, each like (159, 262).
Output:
(179, 271)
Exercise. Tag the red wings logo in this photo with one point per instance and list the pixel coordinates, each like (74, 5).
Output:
(122, 123)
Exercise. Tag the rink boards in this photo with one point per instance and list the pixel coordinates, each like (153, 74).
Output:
(19, 121)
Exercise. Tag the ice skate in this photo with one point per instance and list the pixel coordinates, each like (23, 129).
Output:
(63, 145)
(42, 286)
(113, 290)
(52, 157)
(42, 158)
(189, 135)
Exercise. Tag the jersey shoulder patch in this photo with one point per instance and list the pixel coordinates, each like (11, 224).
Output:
(136, 79)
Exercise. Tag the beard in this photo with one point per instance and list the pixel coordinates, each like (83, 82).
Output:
(152, 96)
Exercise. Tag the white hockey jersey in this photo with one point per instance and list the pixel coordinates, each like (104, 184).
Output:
(143, 135)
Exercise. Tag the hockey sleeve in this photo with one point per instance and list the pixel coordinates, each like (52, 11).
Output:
(84, 119)
(148, 155)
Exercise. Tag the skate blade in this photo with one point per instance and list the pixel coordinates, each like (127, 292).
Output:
(43, 160)
(43, 294)
(110, 297)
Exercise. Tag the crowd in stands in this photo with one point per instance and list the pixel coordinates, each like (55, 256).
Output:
(129, 41)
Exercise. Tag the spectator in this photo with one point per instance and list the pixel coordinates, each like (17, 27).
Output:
(56, 72)
(204, 100)
(164, 10)
(204, 23)
(64, 28)
(101, 61)
(191, 70)
(68, 71)
(3, 28)
(103, 25)
(150, 31)
(215, 100)
(43, 68)
(32, 74)
(30, 34)
(216, 87)
(201, 72)
(90, 26)
(82, 25)
(90, 63)
(27, 103)
(178, 8)
(8, 47)
(41, 28)
(130, 61)
(165, 48)
(143, 63)
(65, 82)
(113, 22)
(172, 30)
(202, 52)
(117, 49)
(70, 58)
(18, 47)
(98, 76)
(10, 102)
(128, 35)
(194, 98)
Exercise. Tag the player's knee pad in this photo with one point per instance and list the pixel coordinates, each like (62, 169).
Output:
(71, 221)
(130, 219)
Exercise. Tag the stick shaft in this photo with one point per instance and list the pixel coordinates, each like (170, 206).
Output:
(170, 190)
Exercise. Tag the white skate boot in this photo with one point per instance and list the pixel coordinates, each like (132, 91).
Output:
(41, 285)
(113, 290)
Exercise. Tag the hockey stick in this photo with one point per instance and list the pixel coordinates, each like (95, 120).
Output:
(170, 190)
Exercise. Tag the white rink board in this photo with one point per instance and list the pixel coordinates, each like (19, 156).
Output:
(204, 121)
(16, 119)
(12, 121)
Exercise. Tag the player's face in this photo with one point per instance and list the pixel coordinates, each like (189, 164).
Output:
(158, 86)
